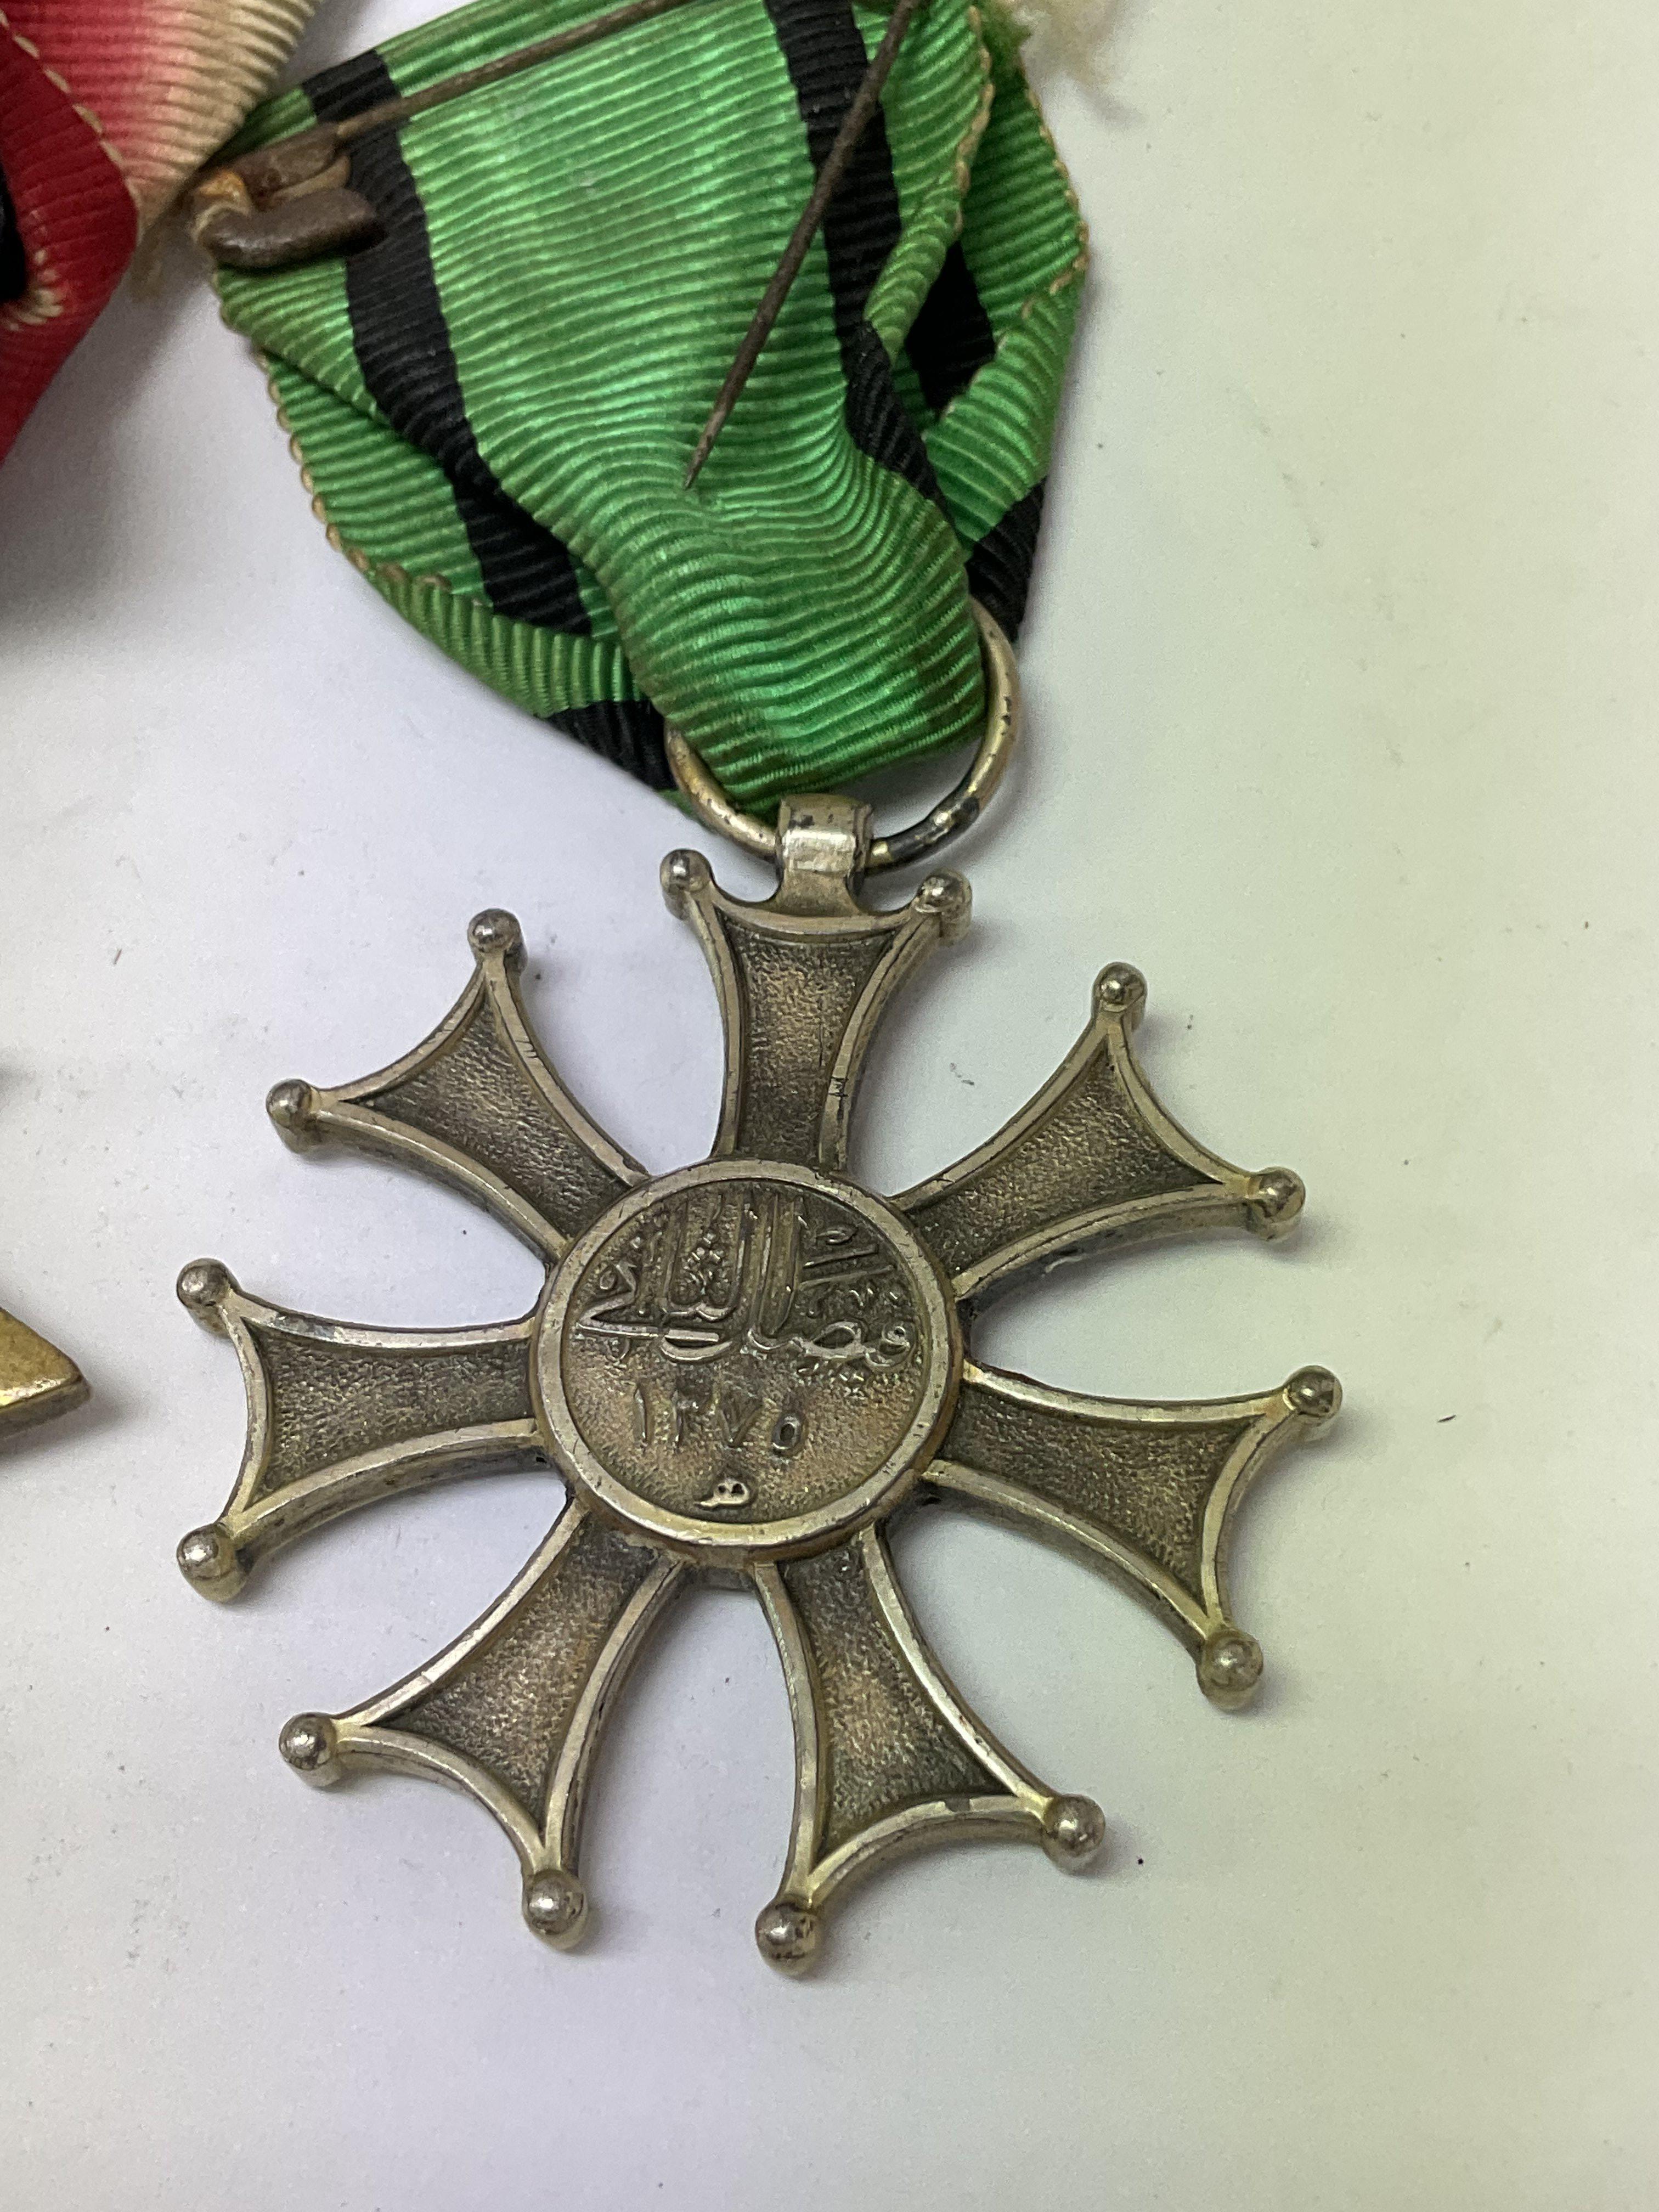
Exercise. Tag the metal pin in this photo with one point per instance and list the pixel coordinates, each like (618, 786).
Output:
(242, 213)
(854, 123)
(568, 42)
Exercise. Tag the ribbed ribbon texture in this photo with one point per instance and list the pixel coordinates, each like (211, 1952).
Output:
(494, 405)
(105, 108)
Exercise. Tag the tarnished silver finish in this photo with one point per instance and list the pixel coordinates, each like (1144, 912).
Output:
(746, 1359)
(743, 1370)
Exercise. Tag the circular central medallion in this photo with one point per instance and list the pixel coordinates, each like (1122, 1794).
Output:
(746, 1358)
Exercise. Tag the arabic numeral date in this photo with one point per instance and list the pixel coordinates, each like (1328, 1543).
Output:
(735, 1414)
(683, 1406)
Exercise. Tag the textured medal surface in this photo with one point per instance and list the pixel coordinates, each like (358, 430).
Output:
(742, 1371)
(746, 1359)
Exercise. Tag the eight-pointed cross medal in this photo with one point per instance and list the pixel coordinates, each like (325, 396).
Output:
(743, 1370)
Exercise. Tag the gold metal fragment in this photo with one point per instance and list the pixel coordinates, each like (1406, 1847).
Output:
(37, 1381)
(743, 1371)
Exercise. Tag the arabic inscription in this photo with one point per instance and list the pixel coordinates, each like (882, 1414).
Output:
(746, 1350)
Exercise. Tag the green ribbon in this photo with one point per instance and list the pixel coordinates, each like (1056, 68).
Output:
(494, 405)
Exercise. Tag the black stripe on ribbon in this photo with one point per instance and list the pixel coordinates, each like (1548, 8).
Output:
(951, 338)
(1000, 566)
(407, 363)
(827, 60)
(627, 732)
(13, 262)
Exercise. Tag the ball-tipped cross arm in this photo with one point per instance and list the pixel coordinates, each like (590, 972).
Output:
(1091, 1159)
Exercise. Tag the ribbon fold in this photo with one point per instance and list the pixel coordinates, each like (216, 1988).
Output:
(494, 403)
(107, 107)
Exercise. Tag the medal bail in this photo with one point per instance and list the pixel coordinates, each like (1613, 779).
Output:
(956, 812)
(823, 850)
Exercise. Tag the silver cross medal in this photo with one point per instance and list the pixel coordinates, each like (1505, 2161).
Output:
(743, 1371)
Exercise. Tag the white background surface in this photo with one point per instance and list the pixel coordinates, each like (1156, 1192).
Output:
(1341, 682)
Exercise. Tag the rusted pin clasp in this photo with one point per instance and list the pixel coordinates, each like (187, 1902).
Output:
(282, 204)
(292, 200)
